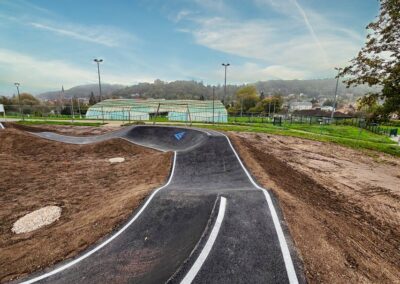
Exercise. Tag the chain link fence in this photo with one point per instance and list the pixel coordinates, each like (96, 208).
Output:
(164, 112)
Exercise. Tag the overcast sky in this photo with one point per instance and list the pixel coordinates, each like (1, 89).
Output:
(47, 44)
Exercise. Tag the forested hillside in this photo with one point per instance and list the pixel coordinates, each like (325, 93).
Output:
(323, 88)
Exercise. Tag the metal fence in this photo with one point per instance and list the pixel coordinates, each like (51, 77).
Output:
(281, 120)
(168, 113)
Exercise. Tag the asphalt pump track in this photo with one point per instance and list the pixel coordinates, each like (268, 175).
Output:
(210, 223)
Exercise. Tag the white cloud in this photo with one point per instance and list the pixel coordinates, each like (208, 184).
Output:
(181, 15)
(311, 29)
(36, 74)
(290, 42)
(239, 38)
(214, 5)
(103, 35)
(250, 72)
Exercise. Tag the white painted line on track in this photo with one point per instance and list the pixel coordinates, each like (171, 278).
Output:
(89, 253)
(208, 246)
(291, 272)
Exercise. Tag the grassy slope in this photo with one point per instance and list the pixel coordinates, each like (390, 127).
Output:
(49, 122)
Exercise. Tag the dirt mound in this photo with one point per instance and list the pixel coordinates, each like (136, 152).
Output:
(62, 129)
(342, 207)
(12, 125)
(95, 196)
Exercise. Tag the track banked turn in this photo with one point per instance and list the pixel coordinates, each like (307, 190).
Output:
(178, 235)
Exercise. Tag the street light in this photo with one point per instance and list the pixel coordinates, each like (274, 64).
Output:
(226, 66)
(19, 100)
(213, 97)
(98, 72)
(335, 99)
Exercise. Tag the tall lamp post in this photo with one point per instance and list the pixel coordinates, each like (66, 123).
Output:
(226, 66)
(336, 90)
(98, 61)
(213, 119)
(19, 100)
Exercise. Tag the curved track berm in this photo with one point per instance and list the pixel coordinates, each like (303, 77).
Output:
(163, 240)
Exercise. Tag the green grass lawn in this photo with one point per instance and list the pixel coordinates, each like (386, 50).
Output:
(49, 122)
(50, 117)
(343, 131)
(244, 119)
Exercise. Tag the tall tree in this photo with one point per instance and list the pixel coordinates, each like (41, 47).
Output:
(378, 62)
(92, 99)
(246, 98)
(26, 99)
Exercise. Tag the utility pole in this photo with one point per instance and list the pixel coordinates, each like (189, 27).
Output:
(226, 66)
(62, 99)
(98, 61)
(19, 100)
(269, 106)
(79, 109)
(241, 107)
(274, 107)
(335, 99)
(72, 109)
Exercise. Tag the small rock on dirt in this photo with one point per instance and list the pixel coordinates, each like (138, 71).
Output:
(116, 160)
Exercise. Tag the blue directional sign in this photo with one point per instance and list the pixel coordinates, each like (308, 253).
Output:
(179, 135)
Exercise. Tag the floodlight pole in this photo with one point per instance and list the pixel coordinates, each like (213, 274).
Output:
(98, 61)
(213, 105)
(19, 100)
(155, 117)
(226, 66)
(336, 90)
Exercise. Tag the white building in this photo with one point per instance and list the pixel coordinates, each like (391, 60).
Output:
(300, 106)
(327, 108)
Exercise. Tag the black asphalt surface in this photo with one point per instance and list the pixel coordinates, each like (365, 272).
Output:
(165, 240)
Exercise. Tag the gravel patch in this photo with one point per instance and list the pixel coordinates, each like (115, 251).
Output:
(37, 219)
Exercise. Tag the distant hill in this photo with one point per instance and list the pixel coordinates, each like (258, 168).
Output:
(320, 89)
(317, 88)
(82, 91)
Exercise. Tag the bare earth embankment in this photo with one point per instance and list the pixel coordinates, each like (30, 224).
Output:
(342, 206)
(63, 129)
(96, 197)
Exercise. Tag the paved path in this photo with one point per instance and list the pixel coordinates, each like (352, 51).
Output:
(211, 223)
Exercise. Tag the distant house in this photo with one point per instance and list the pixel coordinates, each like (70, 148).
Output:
(320, 113)
(300, 106)
(327, 108)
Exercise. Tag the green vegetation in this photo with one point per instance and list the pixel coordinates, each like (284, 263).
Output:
(377, 64)
(50, 122)
(47, 117)
(247, 100)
